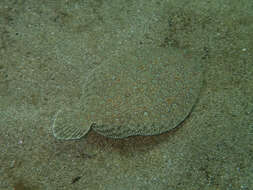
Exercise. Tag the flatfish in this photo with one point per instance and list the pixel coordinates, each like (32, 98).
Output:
(143, 92)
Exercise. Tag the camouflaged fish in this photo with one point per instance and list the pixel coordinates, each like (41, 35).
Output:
(146, 92)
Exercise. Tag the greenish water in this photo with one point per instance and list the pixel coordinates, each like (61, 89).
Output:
(47, 50)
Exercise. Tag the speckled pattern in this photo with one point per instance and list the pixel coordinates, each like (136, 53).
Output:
(141, 93)
(48, 48)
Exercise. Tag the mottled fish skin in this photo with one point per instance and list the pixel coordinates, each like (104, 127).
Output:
(142, 93)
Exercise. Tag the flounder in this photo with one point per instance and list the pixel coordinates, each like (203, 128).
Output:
(146, 92)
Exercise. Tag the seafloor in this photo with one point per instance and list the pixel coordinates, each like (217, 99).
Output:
(48, 47)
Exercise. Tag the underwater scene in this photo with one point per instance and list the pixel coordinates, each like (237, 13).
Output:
(126, 95)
